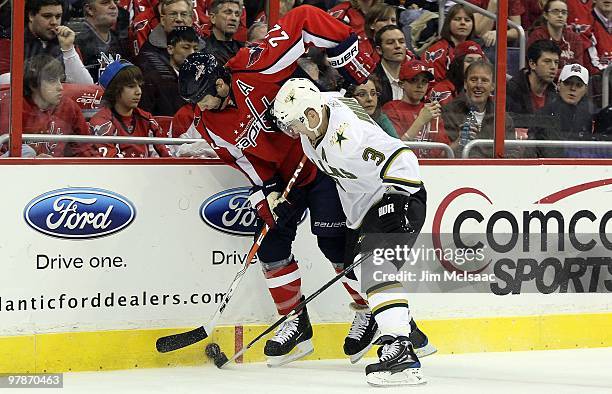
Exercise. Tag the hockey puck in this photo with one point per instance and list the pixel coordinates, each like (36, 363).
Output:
(214, 353)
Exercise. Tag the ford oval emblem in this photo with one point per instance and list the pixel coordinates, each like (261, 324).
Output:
(230, 212)
(79, 213)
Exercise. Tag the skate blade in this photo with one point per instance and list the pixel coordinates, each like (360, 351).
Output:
(300, 350)
(407, 377)
(426, 350)
(358, 356)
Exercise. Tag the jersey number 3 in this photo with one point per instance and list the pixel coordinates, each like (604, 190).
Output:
(374, 155)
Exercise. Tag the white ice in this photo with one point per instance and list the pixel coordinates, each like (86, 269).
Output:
(542, 372)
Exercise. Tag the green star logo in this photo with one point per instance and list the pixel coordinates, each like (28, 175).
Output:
(340, 137)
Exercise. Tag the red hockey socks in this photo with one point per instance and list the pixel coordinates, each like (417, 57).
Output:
(285, 287)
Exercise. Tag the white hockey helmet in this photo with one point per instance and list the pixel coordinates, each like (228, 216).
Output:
(292, 100)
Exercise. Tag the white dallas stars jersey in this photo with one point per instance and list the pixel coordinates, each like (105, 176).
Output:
(361, 158)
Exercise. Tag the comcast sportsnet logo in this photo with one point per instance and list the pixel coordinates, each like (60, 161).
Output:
(561, 239)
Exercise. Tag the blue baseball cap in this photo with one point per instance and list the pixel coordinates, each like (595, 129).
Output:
(111, 72)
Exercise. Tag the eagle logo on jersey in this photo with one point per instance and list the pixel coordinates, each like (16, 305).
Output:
(439, 96)
(102, 129)
(254, 54)
(140, 25)
(433, 56)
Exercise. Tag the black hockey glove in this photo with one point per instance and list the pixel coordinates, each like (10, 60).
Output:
(392, 213)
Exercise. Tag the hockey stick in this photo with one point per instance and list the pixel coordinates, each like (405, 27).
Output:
(297, 309)
(183, 339)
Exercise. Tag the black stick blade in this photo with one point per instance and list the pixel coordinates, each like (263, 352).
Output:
(178, 341)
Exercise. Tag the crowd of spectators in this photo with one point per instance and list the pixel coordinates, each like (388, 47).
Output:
(426, 87)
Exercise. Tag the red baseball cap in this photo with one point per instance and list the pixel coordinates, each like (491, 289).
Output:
(412, 68)
(468, 48)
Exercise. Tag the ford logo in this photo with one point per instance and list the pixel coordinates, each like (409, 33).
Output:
(79, 213)
(230, 212)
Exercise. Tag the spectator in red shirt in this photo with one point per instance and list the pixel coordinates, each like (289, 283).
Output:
(485, 26)
(352, 12)
(554, 27)
(414, 119)
(121, 115)
(533, 12)
(458, 27)
(599, 37)
(534, 86)
(47, 111)
(466, 53)
(580, 14)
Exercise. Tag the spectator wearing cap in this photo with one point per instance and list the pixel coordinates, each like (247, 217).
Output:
(154, 52)
(99, 43)
(391, 47)
(475, 111)
(465, 54)
(458, 28)
(45, 34)
(412, 117)
(160, 90)
(46, 110)
(121, 116)
(534, 86)
(225, 19)
(553, 26)
(567, 116)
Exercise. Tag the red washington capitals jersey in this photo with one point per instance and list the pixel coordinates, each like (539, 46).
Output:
(241, 134)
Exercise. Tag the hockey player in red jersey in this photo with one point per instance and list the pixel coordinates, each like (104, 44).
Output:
(231, 112)
(121, 115)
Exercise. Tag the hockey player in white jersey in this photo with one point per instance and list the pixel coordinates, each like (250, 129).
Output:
(379, 184)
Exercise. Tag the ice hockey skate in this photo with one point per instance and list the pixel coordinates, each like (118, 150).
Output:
(398, 365)
(420, 342)
(292, 341)
(362, 333)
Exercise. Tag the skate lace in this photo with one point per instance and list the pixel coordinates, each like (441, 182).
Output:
(390, 351)
(285, 331)
(359, 326)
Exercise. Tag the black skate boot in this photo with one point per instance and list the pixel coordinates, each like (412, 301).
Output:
(292, 341)
(398, 365)
(362, 333)
(420, 342)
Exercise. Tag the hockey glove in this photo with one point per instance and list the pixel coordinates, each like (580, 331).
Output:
(392, 213)
(274, 209)
(354, 66)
